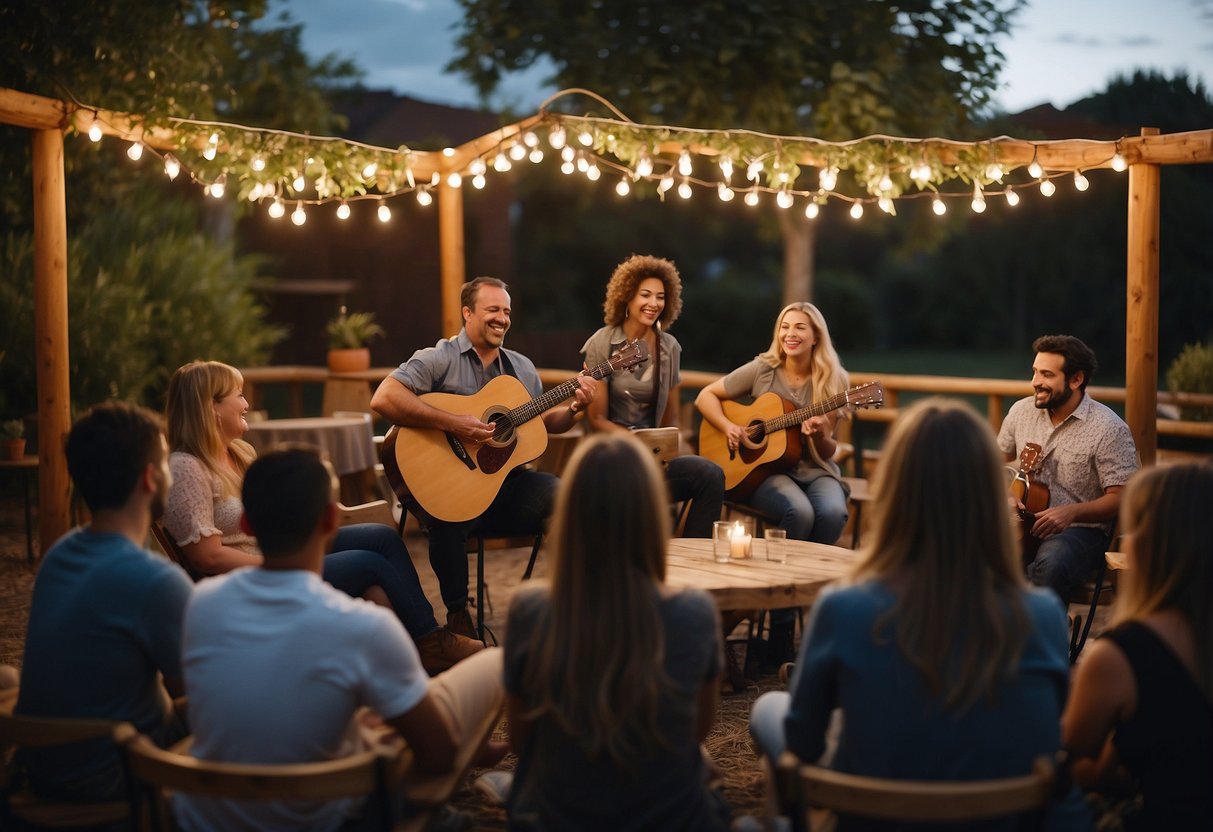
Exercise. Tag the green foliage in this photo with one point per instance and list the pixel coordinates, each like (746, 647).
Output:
(12, 429)
(1192, 372)
(836, 70)
(147, 292)
(351, 331)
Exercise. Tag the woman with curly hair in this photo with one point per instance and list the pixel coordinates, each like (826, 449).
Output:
(643, 299)
(208, 459)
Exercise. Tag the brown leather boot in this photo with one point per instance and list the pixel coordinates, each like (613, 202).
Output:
(460, 622)
(441, 649)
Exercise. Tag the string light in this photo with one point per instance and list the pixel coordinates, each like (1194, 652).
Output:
(938, 206)
(812, 210)
(684, 189)
(530, 139)
(754, 170)
(585, 137)
(724, 192)
(518, 152)
(979, 200)
(567, 168)
(1047, 188)
(583, 164)
(920, 173)
(726, 168)
(1080, 182)
(424, 198)
(171, 166)
(827, 179)
(751, 198)
(448, 152)
(135, 151)
(384, 213)
(258, 163)
(219, 186)
(478, 167)
(1012, 197)
(277, 209)
(478, 181)
(994, 172)
(298, 216)
(343, 210)
(556, 137)
(454, 179)
(536, 156)
(665, 184)
(298, 183)
(501, 162)
(885, 204)
(592, 173)
(370, 170)
(1118, 162)
(256, 193)
(94, 130)
(684, 163)
(623, 187)
(857, 210)
(567, 153)
(644, 166)
(784, 200)
(886, 183)
(1034, 169)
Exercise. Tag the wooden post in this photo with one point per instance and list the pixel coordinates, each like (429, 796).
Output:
(450, 237)
(1141, 314)
(50, 335)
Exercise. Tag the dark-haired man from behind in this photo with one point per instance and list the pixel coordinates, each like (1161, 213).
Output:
(105, 617)
(1087, 455)
(277, 661)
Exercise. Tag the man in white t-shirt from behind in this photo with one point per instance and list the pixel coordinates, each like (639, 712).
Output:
(276, 662)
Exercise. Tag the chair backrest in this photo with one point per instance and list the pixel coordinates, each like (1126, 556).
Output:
(154, 769)
(170, 548)
(799, 787)
(662, 442)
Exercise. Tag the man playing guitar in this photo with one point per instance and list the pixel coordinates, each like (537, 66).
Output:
(1087, 454)
(463, 365)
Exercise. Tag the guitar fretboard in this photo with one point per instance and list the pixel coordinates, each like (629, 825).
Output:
(540, 404)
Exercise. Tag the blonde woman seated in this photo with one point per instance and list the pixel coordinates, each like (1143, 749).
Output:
(1140, 716)
(205, 415)
(611, 676)
(944, 663)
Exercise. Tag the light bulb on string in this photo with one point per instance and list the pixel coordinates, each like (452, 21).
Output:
(369, 171)
(448, 152)
(567, 168)
(644, 166)
(1047, 188)
(665, 184)
(1118, 162)
(536, 156)
(593, 173)
(171, 166)
(857, 210)
(885, 204)
(726, 168)
(94, 130)
(623, 187)
(724, 192)
(586, 138)
(256, 193)
(477, 167)
(812, 210)
(501, 162)
(258, 163)
(886, 183)
(979, 200)
(1012, 197)
(277, 209)
(383, 212)
(1034, 169)
(557, 137)
(343, 210)
(424, 198)
(518, 152)
(938, 206)
(754, 170)
(212, 148)
(567, 153)
(684, 189)
(530, 139)
(684, 163)
(827, 179)
(784, 200)
(219, 186)
(135, 151)
(994, 172)
(583, 164)
(1081, 183)
(454, 179)
(299, 183)
(920, 172)
(478, 181)
(298, 217)
(751, 198)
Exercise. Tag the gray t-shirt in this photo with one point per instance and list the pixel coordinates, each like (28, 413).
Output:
(557, 787)
(631, 391)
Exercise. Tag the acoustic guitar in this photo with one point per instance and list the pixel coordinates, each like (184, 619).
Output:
(456, 481)
(1027, 488)
(773, 438)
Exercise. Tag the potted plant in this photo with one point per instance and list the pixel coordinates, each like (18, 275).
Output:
(13, 432)
(348, 337)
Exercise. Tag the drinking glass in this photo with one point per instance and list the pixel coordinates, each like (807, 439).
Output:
(777, 545)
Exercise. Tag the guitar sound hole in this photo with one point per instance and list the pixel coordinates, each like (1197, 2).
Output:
(504, 431)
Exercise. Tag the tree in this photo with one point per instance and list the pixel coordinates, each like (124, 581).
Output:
(835, 70)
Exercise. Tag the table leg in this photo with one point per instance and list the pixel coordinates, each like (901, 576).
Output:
(29, 540)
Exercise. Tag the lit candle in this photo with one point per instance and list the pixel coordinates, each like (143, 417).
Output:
(739, 542)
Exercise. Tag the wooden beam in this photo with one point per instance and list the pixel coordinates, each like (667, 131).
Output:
(50, 335)
(454, 267)
(1141, 314)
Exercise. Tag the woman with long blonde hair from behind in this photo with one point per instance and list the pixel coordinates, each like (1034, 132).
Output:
(611, 676)
(936, 611)
(1140, 717)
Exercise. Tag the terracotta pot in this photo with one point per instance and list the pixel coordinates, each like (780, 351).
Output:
(14, 449)
(349, 361)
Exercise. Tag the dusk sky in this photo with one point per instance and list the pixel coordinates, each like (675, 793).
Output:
(1059, 50)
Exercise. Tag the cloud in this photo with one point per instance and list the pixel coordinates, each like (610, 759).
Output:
(1085, 41)
(1138, 41)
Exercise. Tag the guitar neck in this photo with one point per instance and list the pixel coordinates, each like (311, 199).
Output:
(544, 402)
(795, 417)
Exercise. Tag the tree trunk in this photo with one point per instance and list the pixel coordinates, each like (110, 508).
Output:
(799, 236)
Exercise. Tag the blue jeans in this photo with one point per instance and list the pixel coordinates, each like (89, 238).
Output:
(702, 482)
(1066, 559)
(816, 512)
(521, 507)
(372, 554)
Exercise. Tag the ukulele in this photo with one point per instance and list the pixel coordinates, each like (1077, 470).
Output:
(773, 439)
(1027, 488)
(454, 480)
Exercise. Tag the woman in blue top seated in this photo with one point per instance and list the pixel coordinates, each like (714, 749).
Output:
(944, 663)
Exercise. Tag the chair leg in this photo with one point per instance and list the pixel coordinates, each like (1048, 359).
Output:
(530, 564)
(1078, 639)
(480, 589)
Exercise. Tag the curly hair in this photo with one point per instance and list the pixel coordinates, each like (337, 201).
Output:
(627, 277)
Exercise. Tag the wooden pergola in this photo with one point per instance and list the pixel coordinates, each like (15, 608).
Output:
(49, 119)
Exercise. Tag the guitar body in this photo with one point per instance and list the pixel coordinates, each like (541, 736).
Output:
(429, 467)
(1027, 488)
(745, 469)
